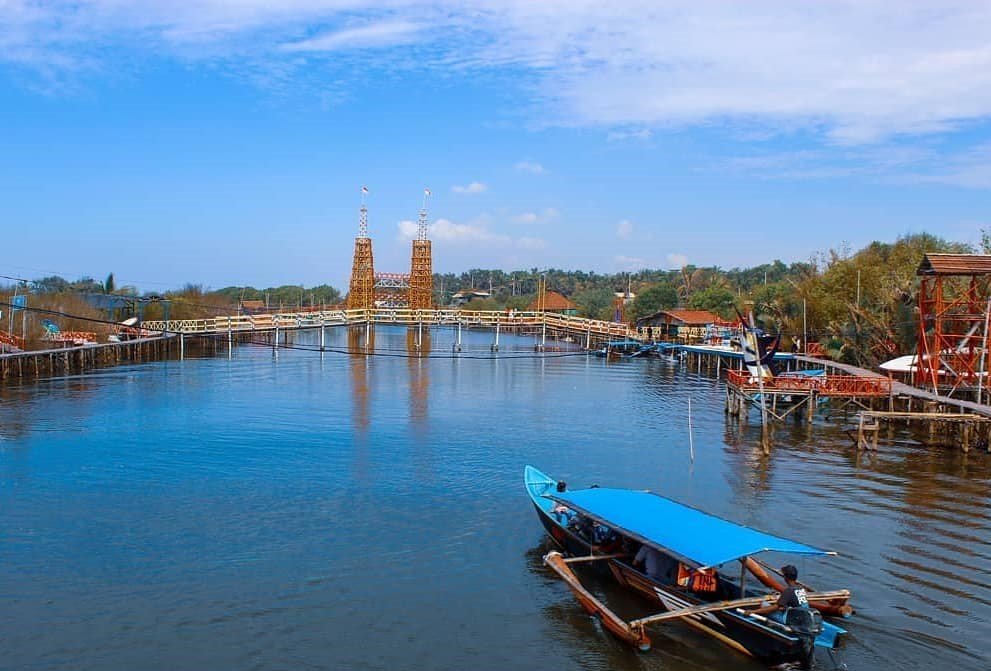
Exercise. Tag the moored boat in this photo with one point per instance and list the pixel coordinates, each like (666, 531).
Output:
(699, 572)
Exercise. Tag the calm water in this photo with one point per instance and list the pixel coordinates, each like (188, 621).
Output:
(308, 512)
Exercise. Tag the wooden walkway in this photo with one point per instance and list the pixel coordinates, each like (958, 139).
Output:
(71, 360)
(901, 389)
(591, 330)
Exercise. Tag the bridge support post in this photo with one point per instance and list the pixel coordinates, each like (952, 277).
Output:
(457, 345)
(182, 346)
(495, 345)
(275, 341)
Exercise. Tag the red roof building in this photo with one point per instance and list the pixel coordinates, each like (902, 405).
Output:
(684, 325)
(554, 302)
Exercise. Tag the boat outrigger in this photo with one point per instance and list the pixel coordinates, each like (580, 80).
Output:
(689, 579)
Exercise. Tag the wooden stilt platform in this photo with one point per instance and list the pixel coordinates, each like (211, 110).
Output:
(964, 429)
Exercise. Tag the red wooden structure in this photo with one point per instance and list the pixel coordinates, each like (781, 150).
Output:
(953, 310)
(10, 341)
(840, 386)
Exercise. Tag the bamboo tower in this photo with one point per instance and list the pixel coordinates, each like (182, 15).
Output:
(421, 277)
(361, 294)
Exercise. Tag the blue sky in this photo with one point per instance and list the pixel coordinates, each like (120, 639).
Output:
(225, 143)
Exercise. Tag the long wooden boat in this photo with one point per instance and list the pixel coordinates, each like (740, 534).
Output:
(700, 578)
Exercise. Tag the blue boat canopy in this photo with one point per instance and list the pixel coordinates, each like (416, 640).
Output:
(674, 528)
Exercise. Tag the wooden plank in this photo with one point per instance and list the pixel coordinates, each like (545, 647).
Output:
(729, 605)
(588, 558)
(618, 626)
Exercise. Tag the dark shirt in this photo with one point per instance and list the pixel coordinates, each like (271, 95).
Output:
(793, 596)
(653, 561)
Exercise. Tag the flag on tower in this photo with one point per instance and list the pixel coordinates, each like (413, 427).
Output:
(426, 192)
(364, 189)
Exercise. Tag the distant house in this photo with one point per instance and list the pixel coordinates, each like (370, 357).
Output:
(554, 302)
(252, 307)
(467, 296)
(677, 324)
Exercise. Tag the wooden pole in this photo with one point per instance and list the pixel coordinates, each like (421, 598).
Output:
(730, 605)
(691, 440)
(984, 351)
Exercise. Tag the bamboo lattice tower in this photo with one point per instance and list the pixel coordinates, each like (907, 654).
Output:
(954, 306)
(421, 277)
(361, 294)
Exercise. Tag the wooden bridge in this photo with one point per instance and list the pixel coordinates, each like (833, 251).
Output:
(593, 331)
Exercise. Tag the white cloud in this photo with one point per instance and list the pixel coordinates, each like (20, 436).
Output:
(474, 187)
(852, 72)
(531, 243)
(624, 229)
(407, 229)
(373, 35)
(630, 262)
(449, 231)
(530, 166)
(677, 260)
(546, 215)
(970, 169)
(641, 134)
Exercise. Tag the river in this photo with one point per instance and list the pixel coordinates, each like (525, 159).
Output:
(334, 511)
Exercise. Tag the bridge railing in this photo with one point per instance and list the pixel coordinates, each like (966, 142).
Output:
(442, 316)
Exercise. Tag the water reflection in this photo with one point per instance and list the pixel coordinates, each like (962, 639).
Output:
(380, 496)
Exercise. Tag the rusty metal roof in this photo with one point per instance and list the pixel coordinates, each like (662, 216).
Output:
(553, 302)
(955, 264)
(687, 317)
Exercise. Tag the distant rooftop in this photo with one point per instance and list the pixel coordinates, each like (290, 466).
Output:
(691, 317)
(553, 302)
(955, 264)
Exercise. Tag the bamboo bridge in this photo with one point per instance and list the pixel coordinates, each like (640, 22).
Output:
(591, 332)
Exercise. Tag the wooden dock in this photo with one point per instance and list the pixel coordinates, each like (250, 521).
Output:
(72, 360)
(963, 429)
(879, 399)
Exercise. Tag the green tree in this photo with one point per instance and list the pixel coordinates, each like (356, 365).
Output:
(714, 299)
(652, 299)
(595, 303)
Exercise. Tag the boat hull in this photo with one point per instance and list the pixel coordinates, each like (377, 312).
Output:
(758, 637)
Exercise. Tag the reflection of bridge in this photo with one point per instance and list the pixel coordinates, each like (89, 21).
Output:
(591, 332)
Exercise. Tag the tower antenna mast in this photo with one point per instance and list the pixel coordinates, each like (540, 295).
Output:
(421, 227)
(363, 215)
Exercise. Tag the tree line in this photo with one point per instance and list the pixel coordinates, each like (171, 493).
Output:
(861, 306)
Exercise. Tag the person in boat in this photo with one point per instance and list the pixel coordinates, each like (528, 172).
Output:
(561, 511)
(650, 561)
(606, 540)
(792, 596)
